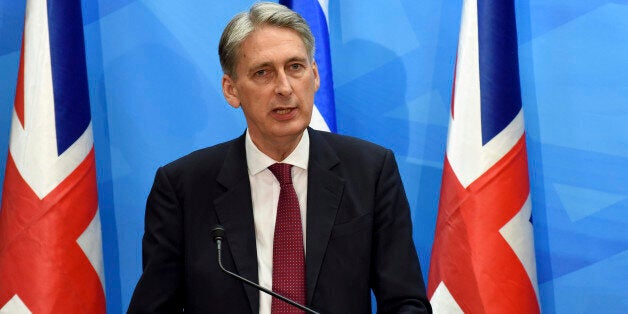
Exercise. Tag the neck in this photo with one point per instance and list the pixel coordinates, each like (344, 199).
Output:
(278, 148)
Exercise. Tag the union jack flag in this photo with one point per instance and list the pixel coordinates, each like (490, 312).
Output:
(483, 254)
(50, 238)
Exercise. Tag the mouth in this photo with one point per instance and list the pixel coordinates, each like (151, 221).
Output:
(283, 110)
(285, 114)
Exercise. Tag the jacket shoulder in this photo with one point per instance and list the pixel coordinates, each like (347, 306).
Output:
(202, 164)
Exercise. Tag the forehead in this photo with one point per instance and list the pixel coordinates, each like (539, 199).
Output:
(271, 44)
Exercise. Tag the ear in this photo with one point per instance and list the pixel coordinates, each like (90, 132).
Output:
(317, 78)
(230, 91)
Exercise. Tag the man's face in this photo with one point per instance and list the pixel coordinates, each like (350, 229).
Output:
(275, 85)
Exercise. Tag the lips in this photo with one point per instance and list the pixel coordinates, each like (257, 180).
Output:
(284, 113)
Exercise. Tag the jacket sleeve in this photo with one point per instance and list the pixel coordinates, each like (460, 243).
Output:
(397, 281)
(159, 289)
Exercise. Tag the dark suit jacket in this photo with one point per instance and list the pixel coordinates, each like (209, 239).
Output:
(359, 233)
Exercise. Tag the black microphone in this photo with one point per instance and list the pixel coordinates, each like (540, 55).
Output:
(218, 233)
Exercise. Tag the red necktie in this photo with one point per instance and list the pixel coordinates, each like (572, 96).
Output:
(288, 253)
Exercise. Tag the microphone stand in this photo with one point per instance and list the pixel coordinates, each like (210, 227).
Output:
(218, 233)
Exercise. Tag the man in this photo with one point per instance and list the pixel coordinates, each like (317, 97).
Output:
(351, 210)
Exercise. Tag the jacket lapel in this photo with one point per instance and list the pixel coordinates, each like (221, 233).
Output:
(325, 190)
(235, 212)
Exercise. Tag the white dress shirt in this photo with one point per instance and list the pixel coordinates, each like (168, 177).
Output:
(265, 197)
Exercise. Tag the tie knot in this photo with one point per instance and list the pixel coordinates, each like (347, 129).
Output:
(282, 173)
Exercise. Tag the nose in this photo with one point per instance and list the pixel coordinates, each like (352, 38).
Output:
(283, 86)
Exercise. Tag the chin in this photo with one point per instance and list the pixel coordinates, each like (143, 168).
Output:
(291, 129)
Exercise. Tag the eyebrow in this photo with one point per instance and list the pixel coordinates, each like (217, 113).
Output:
(298, 59)
(258, 66)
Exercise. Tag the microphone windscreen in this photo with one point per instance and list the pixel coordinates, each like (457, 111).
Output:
(218, 232)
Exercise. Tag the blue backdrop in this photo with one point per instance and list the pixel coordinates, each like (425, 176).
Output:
(154, 81)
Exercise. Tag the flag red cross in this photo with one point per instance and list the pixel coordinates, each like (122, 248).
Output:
(477, 265)
(40, 258)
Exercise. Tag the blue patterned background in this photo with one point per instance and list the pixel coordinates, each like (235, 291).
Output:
(155, 91)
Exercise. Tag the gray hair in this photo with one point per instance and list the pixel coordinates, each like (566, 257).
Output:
(260, 14)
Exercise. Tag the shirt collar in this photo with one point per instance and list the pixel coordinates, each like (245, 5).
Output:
(258, 161)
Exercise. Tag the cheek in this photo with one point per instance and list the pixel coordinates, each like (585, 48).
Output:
(308, 88)
(250, 98)
(253, 108)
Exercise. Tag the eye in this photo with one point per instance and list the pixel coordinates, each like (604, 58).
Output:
(260, 73)
(296, 66)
